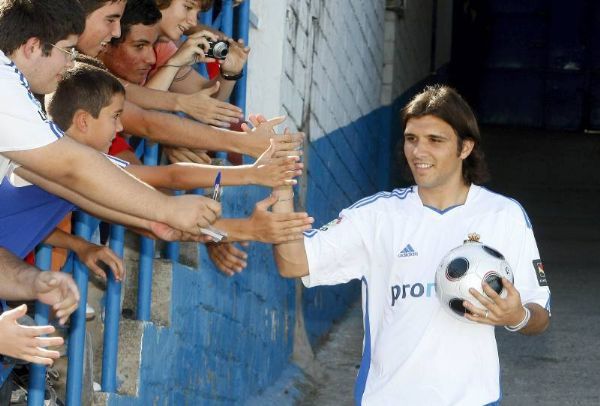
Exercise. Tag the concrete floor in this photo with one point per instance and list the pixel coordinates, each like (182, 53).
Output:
(556, 177)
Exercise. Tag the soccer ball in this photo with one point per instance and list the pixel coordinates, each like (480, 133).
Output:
(465, 267)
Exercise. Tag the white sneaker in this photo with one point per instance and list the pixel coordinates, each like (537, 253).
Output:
(90, 313)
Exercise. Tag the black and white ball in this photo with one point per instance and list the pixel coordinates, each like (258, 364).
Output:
(465, 267)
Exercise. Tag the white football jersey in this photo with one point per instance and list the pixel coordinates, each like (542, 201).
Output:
(414, 352)
(23, 123)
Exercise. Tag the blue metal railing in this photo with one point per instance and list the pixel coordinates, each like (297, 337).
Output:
(84, 226)
(76, 344)
(112, 316)
(37, 373)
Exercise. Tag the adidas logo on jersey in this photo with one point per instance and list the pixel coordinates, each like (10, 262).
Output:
(408, 251)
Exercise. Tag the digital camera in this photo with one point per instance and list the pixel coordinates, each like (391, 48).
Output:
(217, 49)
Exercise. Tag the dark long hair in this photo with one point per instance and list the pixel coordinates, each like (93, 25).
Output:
(446, 104)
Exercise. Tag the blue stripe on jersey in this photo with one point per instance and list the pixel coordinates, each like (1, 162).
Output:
(529, 225)
(399, 193)
(310, 233)
(365, 364)
(527, 220)
(548, 303)
(119, 162)
(446, 210)
(55, 129)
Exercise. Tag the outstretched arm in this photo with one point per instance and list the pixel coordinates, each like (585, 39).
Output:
(170, 129)
(143, 226)
(89, 173)
(265, 226)
(290, 256)
(273, 168)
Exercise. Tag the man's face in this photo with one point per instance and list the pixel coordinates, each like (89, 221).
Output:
(133, 58)
(100, 26)
(431, 150)
(48, 70)
(179, 17)
(101, 131)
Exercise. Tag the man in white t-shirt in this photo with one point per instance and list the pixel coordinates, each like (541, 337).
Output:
(414, 351)
(37, 43)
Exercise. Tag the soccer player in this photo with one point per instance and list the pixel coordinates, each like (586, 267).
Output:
(415, 352)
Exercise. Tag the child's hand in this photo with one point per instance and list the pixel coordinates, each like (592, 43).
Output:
(90, 254)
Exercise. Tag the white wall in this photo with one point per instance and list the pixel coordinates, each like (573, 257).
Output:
(265, 63)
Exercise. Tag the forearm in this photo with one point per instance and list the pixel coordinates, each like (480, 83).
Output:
(538, 322)
(169, 129)
(151, 98)
(290, 257)
(225, 87)
(92, 175)
(16, 277)
(163, 78)
(61, 239)
(84, 203)
(236, 229)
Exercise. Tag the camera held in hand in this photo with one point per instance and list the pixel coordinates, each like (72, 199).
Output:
(217, 49)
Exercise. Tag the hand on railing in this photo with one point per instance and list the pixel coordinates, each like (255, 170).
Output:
(205, 108)
(89, 254)
(227, 257)
(25, 342)
(59, 291)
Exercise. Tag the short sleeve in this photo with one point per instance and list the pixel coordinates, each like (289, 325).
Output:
(524, 259)
(336, 252)
(163, 51)
(23, 123)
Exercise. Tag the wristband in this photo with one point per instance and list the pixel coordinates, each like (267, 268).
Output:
(522, 323)
(230, 76)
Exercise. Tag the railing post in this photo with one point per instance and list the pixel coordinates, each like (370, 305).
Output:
(76, 344)
(227, 17)
(144, 301)
(37, 373)
(112, 316)
(241, 31)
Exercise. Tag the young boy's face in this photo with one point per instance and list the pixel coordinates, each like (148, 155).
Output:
(101, 131)
(100, 27)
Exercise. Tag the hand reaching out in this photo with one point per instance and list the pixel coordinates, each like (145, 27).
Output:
(25, 342)
(90, 254)
(58, 290)
(227, 257)
(275, 171)
(205, 108)
(276, 228)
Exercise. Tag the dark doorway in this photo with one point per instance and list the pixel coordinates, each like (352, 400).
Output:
(533, 63)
